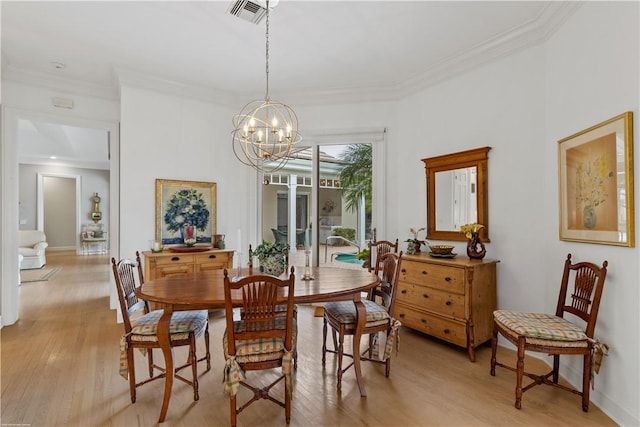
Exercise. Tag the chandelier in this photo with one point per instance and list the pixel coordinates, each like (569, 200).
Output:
(265, 130)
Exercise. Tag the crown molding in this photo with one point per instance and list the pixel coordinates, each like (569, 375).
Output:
(531, 33)
(129, 77)
(72, 86)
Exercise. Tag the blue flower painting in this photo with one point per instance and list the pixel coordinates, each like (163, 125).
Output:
(183, 205)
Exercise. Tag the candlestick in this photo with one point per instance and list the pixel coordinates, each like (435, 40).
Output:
(307, 266)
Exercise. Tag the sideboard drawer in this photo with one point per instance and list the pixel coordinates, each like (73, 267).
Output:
(432, 275)
(449, 330)
(212, 261)
(172, 270)
(446, 303)
(174, 259)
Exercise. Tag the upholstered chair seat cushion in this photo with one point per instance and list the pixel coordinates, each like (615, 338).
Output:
(344, 312)
(145, 328)
(541, 328)
(259, 350)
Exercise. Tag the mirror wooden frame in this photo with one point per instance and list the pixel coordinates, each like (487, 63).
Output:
(478, 158)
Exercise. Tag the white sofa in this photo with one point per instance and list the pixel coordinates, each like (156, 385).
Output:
(32, 245)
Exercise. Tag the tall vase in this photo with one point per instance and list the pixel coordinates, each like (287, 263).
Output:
(589, 216)
(475, 247)
(189, 234)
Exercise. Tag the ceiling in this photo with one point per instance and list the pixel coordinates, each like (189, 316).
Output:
(320, 51)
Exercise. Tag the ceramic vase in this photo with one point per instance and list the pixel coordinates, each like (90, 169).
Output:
(273, 265)
(475, 247)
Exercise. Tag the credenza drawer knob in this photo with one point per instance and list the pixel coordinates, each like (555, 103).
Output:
(404, 291)
(446, 331)
(404, 270)
(447, 303)
(401, 315)
(212, 256)
(424, 272)
(425, 295)
(175, 258)
(447, 279)
(423, 320)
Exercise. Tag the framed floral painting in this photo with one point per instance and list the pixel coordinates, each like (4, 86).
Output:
(185, 211)
(596, 184)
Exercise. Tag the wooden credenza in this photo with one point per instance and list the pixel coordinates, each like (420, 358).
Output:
(167, 263)
(451, 299)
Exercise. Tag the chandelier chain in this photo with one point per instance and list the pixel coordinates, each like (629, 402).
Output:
(266, 96)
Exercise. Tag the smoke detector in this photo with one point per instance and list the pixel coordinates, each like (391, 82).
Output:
(252, 11)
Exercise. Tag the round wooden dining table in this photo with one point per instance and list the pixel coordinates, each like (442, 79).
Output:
(205, 290)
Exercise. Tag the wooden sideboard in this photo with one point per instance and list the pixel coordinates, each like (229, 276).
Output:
(167, 263)
(449, 298)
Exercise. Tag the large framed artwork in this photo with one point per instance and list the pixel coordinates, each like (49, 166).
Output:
(596, 183)
(185, 211)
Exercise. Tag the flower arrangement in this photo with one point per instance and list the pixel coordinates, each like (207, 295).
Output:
(184, 207)
(267, 249)
(591, 179)
(470, 229)
(273, 257)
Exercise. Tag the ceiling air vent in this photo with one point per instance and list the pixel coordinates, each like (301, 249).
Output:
(247, 10)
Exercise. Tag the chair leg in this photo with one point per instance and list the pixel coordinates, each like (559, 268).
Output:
(340, 353)
(324, 341)
(150, 360)
(586, 381)
(519, 372)
(194, 366)
(494, 349)
(287, 401)
(233, 413)
(556, 368)
(132, 374)
(206, 343)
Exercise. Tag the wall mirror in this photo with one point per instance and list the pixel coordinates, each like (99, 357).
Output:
(457, 193)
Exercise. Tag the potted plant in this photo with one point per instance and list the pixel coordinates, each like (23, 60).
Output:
(273, 257)
(413, 245)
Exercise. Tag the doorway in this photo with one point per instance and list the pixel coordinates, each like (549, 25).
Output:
(59, 209)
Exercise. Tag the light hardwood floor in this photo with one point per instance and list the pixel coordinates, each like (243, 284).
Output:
(60, 368)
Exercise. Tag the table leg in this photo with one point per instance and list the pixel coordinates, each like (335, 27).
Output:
(361, 316)
(167, 351)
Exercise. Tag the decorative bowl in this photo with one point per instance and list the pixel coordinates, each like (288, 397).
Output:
(441, 249)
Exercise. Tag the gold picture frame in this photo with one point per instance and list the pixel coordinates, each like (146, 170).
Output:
(596, 184)
(180, 203)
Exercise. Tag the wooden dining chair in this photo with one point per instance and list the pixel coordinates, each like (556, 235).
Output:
(341, 316)
(281, 309)
(554, 334)
(261, 339)
(140, 327)
(377, 249)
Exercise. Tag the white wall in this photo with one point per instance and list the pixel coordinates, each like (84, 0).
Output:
(169, 137)
(592, 74)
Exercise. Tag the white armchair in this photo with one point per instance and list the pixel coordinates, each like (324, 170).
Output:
(32, 245)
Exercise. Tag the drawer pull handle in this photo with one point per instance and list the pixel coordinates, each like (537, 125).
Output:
(212, 256)
(404, 270)
(446, 331)
(447, 279)
(425, 295)
(401, 315)
(175, 258)
(447, 303)
(404, 291)
(423, 320)
(424, 272)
